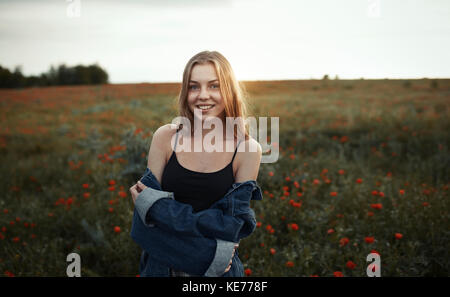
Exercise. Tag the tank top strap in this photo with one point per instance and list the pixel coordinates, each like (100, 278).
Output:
(235, 151)
(176, 140)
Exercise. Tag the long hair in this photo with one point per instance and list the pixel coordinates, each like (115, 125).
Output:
(233, 93)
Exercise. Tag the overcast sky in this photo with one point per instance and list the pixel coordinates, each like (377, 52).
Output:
(151, 41)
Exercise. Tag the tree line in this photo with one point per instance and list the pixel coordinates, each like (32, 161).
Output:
(56, 76)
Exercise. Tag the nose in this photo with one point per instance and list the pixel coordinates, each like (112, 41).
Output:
(204, 94)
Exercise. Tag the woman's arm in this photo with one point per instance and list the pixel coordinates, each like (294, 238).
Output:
(193, 255)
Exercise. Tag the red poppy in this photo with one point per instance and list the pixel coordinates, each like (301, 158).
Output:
(117, 229)
(398, 235)
(402, 192)
(86, 195)
(272, 251)
(122, 194)
(376, 206)
(112, 182)
(350, 265)
(294, 226)
(333, 194)
(338, 274)
(289, 264)
(369, 239)
(248, 272)
(85, 186)
(330, 231)
(270, 173)
(344, 241)
(359, 180)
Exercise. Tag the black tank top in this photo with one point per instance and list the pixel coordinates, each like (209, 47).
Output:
(199, 189)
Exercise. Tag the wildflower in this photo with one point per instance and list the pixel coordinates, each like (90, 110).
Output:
(112, 188)
(401, 192)
(350, 265)
(370, 214)
(85, 186)
(258, 224)
(272, 251)
(425, 204)
(248, 272)
(376, 206)
(86, 195)
(398, 235)
(289, 264)
(338, 274)
(330, 231)
(374, 252)
(117, 229)
(341, 171)
(316, 181)
(111, 209)
(294, 226)
(381, 194)
(16, 239)
(344, 241)
(369, 239)
(112, 182)
(69, 201)
(122, 194)
(288, 178)
(359, 180)
(270, 173)
(268, 227)
(333, 194)
(374, 193)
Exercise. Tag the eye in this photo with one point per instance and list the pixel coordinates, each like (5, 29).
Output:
(215, 86)
(192, 87)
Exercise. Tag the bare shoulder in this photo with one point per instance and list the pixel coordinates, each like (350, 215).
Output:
(251, 147)
(160, 148)
(164, 132)
(248, 160)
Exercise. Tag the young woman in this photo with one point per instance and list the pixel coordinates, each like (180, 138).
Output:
(201, 177)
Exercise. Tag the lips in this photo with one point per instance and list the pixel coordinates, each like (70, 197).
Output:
(205, 106)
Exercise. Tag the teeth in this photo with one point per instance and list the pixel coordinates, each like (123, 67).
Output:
(204, 107)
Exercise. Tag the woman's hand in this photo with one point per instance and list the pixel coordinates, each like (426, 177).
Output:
(231, 261)
(136, 189)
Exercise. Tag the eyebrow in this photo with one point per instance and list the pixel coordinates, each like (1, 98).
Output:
(197, 81)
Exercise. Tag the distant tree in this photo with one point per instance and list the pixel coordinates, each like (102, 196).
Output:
(61, 75)
(325, 77)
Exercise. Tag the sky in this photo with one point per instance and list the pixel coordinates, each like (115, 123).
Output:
(152, 40)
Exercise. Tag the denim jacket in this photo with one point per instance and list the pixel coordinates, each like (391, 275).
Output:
(173, 236)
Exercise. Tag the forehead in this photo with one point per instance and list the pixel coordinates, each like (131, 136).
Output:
(203, 72)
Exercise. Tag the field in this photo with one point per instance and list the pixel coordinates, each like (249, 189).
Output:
(363, 167)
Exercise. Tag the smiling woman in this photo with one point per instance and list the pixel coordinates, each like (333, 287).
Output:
(201, 180)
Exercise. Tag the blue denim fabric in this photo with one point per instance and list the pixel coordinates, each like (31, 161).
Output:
(201, 243)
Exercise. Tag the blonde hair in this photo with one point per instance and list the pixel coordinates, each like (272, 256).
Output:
(233, 93)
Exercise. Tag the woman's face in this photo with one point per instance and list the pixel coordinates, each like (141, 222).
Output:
(204, 92)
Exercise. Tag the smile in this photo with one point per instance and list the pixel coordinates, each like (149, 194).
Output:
(205, 107)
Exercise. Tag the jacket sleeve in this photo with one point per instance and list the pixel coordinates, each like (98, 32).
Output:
(200, 256)
(172, 216)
